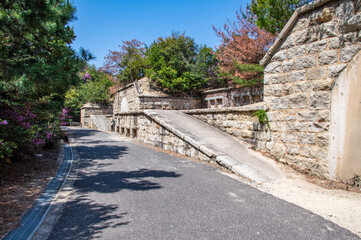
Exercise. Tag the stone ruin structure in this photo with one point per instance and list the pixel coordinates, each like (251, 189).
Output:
(142, 94)
(312, 90)
(231, 97)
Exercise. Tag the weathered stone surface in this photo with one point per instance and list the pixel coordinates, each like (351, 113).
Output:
(278, 150)
(304, 151)
(287, 89)
(318, 127)
(278, 78)
(316, 73)
(274, 67)
(316, 47)
(348, 39)
(308, 116)
(328, 29)
(301, 24)
(296, 52)
(288, 43)
(334, 43)
(322, 85)
(328, 57)
(307, 138)
(324, 116)
(347, 53)
(334, 71)
(318, 153)
(320, 100)
(275, 90)
(305, 62)
(297, 76)
(287, 66)
(292, 149)
(344, 10)
(326, 15)
(279, 102)
(351, 23)
(298, 101)
(289, 137)
(280, 56)
(304, 86)
(323, 139)
(296, 127)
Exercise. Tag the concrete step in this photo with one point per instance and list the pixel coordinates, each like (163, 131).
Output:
(228, 151)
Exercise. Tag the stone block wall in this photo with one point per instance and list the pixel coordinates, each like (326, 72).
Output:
(300, 70)
(231, 97)
(169, 103)
(136, 124)
(93, 109)
(235, 121)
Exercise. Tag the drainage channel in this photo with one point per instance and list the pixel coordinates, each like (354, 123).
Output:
(34, 217)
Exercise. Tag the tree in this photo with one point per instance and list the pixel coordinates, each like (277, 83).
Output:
(37, 66)
(172, 63)
(95, 89)
(272, 15)
(128, 64)
(243, 46)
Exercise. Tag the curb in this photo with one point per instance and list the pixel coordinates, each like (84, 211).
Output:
(34, 217)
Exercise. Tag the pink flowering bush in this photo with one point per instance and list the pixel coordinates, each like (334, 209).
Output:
(29, 127)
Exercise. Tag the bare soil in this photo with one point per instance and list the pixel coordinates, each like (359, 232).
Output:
(21, 183)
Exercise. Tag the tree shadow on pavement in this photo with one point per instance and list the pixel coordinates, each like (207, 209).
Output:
(84, 219)
(115, 181)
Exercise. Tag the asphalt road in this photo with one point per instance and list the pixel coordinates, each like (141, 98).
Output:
(127, 191)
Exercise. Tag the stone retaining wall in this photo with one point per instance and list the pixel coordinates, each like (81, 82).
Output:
(136, 124)
(300, 71)
(236, 121)
(93, 109)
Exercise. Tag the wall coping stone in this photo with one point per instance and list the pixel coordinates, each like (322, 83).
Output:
(247, 108)
(96, 106)
(288, 27)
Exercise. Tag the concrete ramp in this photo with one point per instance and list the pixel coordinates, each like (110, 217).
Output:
(102, 122)
(229, 152)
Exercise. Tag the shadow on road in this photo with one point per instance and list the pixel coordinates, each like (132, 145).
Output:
(84, 219)
(114, 181)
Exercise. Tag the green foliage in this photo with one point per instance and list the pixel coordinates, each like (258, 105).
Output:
(37, 66)
(177, 64)
(129, 64)
(272, 15)
(262, 117)
(95, 89)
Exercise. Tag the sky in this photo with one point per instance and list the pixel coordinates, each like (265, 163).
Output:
(102, 25)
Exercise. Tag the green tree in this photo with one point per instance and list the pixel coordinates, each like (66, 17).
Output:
(95, 89)
(272, 15)
(172, 63)
(128, 64)
(37, 66)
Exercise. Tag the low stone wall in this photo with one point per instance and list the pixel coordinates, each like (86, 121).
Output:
(231, 97)
(137, 124)
(169, 103)
(93, 109)
(236, 121)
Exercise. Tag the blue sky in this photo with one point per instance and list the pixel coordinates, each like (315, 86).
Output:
(103, 24)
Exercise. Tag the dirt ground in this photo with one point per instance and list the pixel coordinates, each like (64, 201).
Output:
(21, 183)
